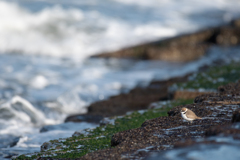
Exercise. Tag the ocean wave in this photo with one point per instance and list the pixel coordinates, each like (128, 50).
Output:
(61, 32)
(23, 112)
(84, 29)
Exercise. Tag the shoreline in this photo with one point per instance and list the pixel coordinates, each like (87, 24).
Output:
(140, 98)
(181, 48)
(140, 134)
(222, 36)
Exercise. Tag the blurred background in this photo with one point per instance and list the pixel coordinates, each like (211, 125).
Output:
(45, 45)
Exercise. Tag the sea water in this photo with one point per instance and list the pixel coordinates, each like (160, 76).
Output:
(45, 73)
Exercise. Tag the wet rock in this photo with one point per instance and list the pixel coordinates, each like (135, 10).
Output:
(236, 116)
(48, 158)
(163, 133)
(47, 145)
(172, 49)
(184, 47)
(8, 140)
(137, 99)
(82, 132)
(231, 88)
(79, 133)
(185, 94)
(70, 126)
(211, 148)
(228, 36)
(227, 94)
(84, 118)
(53, 145)
(225, 130)
(218, 138)
(106, 121)
(172, 113)
(172, 133)
(47, 128)
(236, 23)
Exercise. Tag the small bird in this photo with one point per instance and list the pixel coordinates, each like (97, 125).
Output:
(188, 114)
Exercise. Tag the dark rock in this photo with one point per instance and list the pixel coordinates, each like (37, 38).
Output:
(67, 126)
(8, 140)
(14, 142)
(137, 99)
(182, 48)
(229, 130)
(236, 116)
(82, 132)
(236, 23)
(106, 121)
(47, 158)
(185, 94)
(47, 145)
(172, 113)
(163, 133)
(84, 118)
(228, 94)
(231, 88)
(199, 99)
(207, 148)
(47, 128)
(228, 36)
(224, 130)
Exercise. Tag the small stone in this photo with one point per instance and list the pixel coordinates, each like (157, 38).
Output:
(236, 116)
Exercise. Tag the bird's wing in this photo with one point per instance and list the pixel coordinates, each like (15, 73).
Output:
(191, 114)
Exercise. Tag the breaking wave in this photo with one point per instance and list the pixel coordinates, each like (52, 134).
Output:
(60, 32)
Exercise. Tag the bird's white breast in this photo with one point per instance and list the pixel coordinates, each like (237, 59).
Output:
(185, 117)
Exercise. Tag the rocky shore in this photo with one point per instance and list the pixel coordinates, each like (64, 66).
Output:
(164, 133)
(182, 48)
(158, 129)
(157, 138)
(138, 135)
(136, 99)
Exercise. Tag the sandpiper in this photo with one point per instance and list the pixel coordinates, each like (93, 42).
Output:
(188, 114)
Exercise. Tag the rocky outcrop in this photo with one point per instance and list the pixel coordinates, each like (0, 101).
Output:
(182, 48)
(164, 133)
(188, 94)
(84, 118)
(137, 99)
(220, 142)
(162, 136)
(236, 116)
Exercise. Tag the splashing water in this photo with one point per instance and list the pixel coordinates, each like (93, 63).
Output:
(44, 73)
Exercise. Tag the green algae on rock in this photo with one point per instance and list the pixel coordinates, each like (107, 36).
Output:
(91, 140)
(212, 78)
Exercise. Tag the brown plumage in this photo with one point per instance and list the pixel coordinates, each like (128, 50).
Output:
(188, 114)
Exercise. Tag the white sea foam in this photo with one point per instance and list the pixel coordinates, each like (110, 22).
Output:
(42, 90)
(19, 113)
(39, 82)
(78, 32)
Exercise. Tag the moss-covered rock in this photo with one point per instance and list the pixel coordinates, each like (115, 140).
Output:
(100, 138)
(212, 78)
